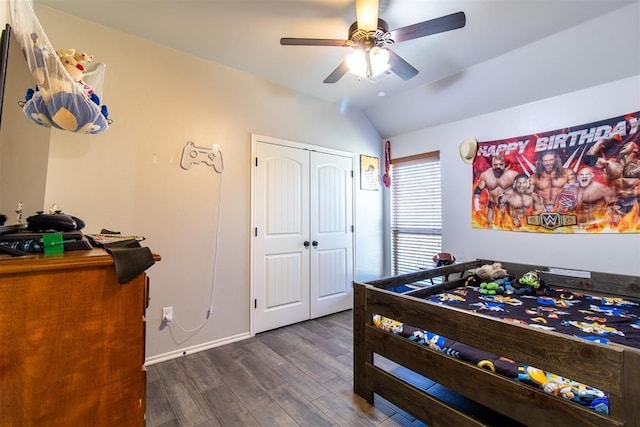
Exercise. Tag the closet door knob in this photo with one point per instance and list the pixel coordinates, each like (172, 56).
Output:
(315, 244)
(306, 243)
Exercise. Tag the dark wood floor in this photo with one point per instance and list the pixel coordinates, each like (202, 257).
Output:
(300, 375)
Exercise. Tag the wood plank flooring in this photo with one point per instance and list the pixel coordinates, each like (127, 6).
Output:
(300, 375)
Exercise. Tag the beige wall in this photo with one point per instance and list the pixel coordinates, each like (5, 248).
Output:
(129, 178)
(4, 12)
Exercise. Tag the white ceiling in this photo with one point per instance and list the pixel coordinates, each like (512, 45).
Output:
(245, 34)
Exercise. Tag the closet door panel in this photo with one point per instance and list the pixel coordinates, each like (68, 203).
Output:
(331, 188)
(281, 264)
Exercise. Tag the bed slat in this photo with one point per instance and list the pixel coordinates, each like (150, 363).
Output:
(429, 409)
(417, 276)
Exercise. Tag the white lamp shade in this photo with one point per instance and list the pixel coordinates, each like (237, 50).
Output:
(357, 63)
(378, 62)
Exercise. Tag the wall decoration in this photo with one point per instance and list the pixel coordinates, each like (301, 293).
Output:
(386, 178)
(369, 172)
(468, 149)
(581, 179)
(193, 155)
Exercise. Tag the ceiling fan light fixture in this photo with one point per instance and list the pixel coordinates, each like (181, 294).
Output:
(368, 63)
(368, 34)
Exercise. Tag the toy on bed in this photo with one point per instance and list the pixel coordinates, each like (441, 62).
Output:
(493, 279)
(489, 277)
(530, 283)
(62, 97)
(486, 273)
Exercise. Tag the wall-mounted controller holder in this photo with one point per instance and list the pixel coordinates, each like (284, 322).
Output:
(193, 155)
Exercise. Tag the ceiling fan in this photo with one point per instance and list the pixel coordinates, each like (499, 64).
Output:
(369, 35)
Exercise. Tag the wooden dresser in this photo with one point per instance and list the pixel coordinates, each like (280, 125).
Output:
(72, 342)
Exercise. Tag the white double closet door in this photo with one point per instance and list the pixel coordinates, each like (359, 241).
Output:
(303, 232)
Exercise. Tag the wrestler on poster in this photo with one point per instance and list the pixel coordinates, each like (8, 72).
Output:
(582, 179)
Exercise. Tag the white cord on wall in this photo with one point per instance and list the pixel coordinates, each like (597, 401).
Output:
(214, 252)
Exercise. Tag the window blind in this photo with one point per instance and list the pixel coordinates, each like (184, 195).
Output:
(416, 212)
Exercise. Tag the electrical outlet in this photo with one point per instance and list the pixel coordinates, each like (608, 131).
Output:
(167, 314)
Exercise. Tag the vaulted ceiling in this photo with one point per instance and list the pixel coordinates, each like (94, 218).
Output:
(509, 53)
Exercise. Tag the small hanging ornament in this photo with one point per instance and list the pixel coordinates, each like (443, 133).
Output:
(386, 178)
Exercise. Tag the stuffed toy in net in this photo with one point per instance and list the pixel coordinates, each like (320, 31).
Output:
(66, 95)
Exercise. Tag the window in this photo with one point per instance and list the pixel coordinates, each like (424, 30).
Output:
(416, 212)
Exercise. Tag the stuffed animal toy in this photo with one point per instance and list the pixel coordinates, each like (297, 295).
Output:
(490, 288)
(63, 99)
(530, 279)
(487, 273)
(80, 57)
(42, 60)
(506, 286)
(72, 62)
(530, 284)
(73, 67)
(491, 272)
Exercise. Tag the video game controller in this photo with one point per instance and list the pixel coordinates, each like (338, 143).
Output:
(192, 155)
(57, 221)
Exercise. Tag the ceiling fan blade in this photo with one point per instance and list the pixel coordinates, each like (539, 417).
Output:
(367, 14)
(433, 26)
(400, 67)
(337, 74)
(292, 41)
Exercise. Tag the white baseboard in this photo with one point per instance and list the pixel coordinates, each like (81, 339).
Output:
(196, 348)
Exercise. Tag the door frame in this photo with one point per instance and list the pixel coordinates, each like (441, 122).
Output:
(255, 140)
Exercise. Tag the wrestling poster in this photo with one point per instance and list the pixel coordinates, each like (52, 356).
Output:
(582, 179)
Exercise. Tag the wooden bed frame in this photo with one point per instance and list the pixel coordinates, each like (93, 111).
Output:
(612, 368)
